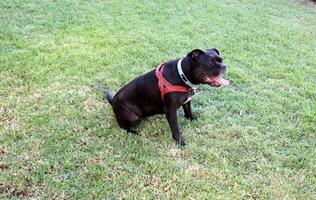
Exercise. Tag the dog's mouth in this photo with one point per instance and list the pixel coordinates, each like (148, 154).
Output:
(215, 81)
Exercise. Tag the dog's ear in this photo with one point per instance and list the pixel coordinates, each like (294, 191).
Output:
(213, 50)
(195, 53)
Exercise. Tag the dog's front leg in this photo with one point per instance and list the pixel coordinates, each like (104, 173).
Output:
(187, 111)
(171, 115)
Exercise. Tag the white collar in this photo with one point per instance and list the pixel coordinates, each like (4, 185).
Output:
(182, 76)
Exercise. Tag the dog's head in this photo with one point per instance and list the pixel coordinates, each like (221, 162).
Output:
(208, 67)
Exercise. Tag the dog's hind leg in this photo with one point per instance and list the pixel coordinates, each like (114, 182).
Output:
(128, 120)
(127, 125)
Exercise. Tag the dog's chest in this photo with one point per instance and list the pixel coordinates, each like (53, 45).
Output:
(189, 96)
(188, 99)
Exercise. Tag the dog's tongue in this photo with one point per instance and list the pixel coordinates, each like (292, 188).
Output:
(217, 80)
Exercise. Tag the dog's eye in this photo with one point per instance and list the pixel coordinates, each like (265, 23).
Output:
(211, 64)
(218, 59)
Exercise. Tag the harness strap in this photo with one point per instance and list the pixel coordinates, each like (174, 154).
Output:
(164, 86)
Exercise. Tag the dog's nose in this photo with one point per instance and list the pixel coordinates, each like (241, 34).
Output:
(223, 68)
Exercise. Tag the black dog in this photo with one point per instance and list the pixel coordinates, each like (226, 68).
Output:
(165, 89)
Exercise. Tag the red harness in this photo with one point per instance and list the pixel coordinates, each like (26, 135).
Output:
(165, 87)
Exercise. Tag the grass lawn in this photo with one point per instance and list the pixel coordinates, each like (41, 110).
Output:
(255, 139)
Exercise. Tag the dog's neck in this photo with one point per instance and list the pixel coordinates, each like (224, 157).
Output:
(188, 70)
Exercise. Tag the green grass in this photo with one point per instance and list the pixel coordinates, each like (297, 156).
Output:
(253, 140)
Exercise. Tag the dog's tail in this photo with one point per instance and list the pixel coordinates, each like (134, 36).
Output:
(108, 94)
(106, 91)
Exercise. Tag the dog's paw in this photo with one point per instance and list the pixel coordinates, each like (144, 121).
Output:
(191, 117)
(181, 142)
(132, 130)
